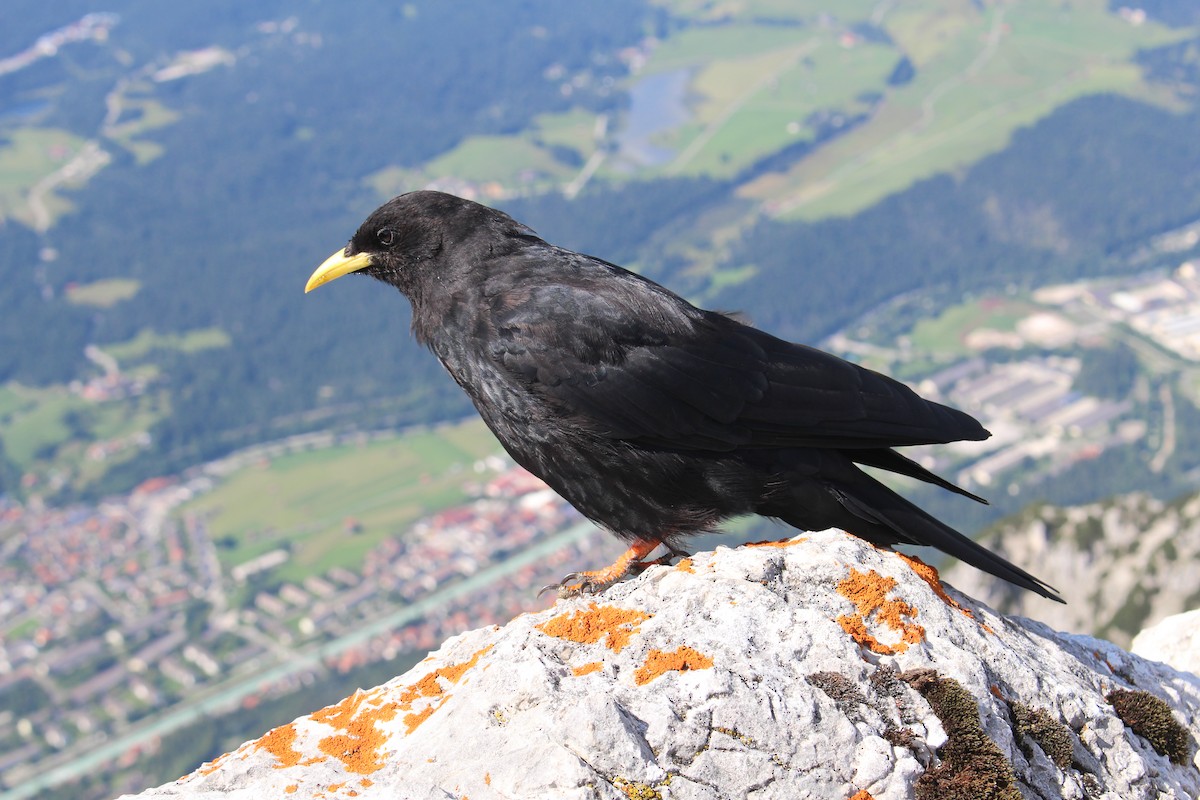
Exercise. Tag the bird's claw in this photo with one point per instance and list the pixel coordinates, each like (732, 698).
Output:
(575, 584)
(572, 586)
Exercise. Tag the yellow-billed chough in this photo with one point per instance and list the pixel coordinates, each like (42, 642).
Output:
(654, 418)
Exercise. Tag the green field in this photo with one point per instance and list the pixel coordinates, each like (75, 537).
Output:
(699, 47)
(50, 429)
(309, 501)
(70, 441)
(500, 158)
(147, 115)
(574, 129)
(32, 420)
(509, 160)
(794, 10)
(147, 341)
(23, 630)
(503, 161)
(978, 79)
(12, 399)
(981, 73)
(103, 293)
(26, 156)
(945, 334)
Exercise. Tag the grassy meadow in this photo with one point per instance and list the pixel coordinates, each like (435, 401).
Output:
(331, 506)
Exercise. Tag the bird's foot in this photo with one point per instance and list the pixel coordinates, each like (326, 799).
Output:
(595, 581)
(574, 584)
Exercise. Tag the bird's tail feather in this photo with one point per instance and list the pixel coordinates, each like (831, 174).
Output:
(901, 465)
(873, 503)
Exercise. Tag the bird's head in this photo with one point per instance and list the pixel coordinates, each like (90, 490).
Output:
(405, 242)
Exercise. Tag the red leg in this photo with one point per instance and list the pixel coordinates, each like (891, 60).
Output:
(597, 580)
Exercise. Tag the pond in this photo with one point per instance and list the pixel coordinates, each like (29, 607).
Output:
(657, 104)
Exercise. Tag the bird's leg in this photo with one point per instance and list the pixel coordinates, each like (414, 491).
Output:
(664, 560)
(597, 580)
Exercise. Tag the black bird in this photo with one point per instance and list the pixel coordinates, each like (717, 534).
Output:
(654, 418)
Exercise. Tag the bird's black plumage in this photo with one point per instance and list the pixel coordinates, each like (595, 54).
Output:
(653, 417)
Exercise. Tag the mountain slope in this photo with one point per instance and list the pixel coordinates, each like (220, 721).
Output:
(1122, 564)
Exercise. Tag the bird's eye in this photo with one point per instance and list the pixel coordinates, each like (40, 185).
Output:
(386, 236)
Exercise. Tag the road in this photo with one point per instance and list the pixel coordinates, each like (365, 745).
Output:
(87, 162)
(1167, 449)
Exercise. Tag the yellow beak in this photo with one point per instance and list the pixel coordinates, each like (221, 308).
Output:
(336, 266)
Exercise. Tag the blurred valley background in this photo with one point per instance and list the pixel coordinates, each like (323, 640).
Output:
(223, 503)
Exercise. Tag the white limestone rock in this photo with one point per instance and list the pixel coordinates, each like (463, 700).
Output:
(825, 668)
(1174, 640)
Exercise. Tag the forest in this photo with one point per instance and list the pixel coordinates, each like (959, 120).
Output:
(239, 263)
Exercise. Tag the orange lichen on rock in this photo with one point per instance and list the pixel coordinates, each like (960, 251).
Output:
(413, 721)
(868, 591)
(685, 565)
(430, 686)
(588, 668)
(211, 767)
(615, 625)
(929, 574)
(657, 662)
(358, 746)
(291, 788)
(341, 714)
(278, 742)
(359, 743)
(862, 794)
(778, 542)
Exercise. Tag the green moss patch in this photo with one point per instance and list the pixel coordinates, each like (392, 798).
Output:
(844, 692)
(972, 766)
(1051, 735)
(1151, 718)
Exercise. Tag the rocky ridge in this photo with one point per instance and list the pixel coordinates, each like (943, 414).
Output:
(819, 667)
(1123, 564)
(1174, 640)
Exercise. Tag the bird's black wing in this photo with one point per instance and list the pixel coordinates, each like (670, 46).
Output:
(622, 357)
(815, 398)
